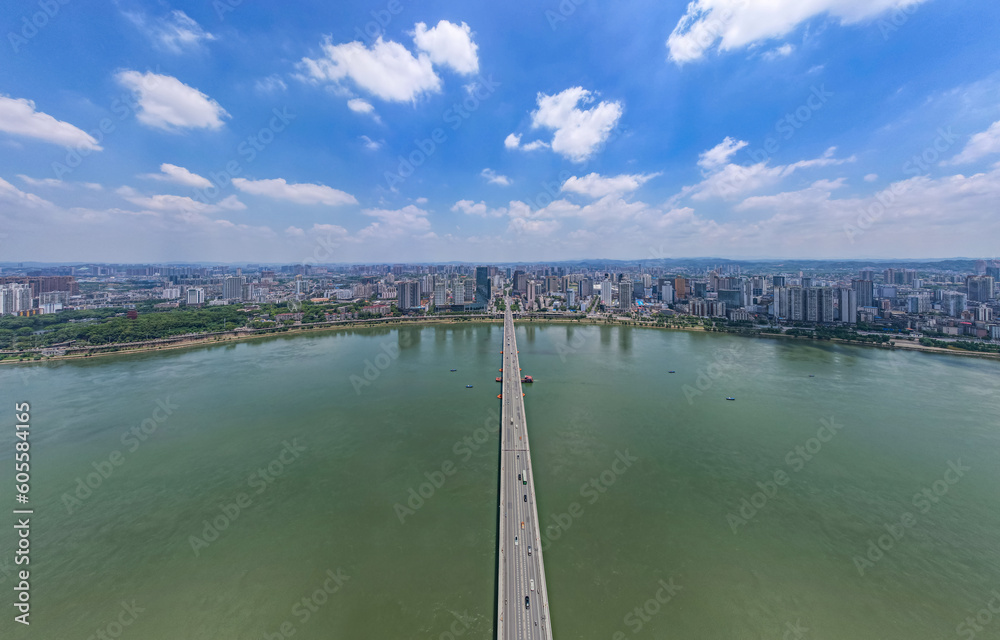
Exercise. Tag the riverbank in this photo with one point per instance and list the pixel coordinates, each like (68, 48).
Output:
(198, 340)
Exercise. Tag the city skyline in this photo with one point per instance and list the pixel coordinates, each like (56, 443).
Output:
(240, 133)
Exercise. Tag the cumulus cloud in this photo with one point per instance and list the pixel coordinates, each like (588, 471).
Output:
(720, 154)
(470, 208)
(733, 24)
(372, 145)
(597, 186)
(409, 221)
(270, 84)
(19, 117)
(14, 197)
(306, 193)
(980, 146)
(174, 33)
(730, 181)
(579, 133)
(513, 141)
(494, 178)
(783, 51)
(55, 183)
(179, 175)
(179, 204)
(390, 71)
(449, 45)
(167, 103)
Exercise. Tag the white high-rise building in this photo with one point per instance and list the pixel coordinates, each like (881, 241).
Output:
(848, 306)
(606, 296)
(440, 294)
(195, 296)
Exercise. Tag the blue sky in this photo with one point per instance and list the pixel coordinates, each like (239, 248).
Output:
(253, 132)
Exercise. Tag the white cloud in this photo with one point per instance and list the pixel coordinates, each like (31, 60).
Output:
(357, 105)
(980, 146)
(270, 84)
(732, 181)
(470, 208)
(387, 70)
(18, 116)
(179, 204)
(494, 178)
(597, 186)
(175, 33)
(783, 51)
(295, 231)
(409, 221)
(720, 154)
(55, 183)
(14, 197)
(732, 24)
(578, 132)
(871, 177)
(167, 103)
(372, 145)
(513, 141)
(449, 45)
(180, 175)
(299, 193)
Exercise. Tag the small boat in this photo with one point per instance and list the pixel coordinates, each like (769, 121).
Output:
(811, 375)
(468, 386)
(499, 379)
(730, 399)
(454, 370)
(671, 372)
(527, 379)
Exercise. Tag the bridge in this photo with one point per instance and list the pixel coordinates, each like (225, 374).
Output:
(522, 596)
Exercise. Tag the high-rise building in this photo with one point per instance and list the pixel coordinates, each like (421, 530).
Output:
(458, 292)
(606, 292)
(408, 295)
(667, 293)
(796, 304)
(484, 287)
(826, 309)
(866, 292)
(953, 303)
(847, 306)
(980, 288)
(680, 287)
(586, 288)
(779, 281)
(232, 288)
(195, 296)
(625, 292)
(440, 294)
(780, 308)
(520, 283)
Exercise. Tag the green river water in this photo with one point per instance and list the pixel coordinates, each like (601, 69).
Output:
(257, 470)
